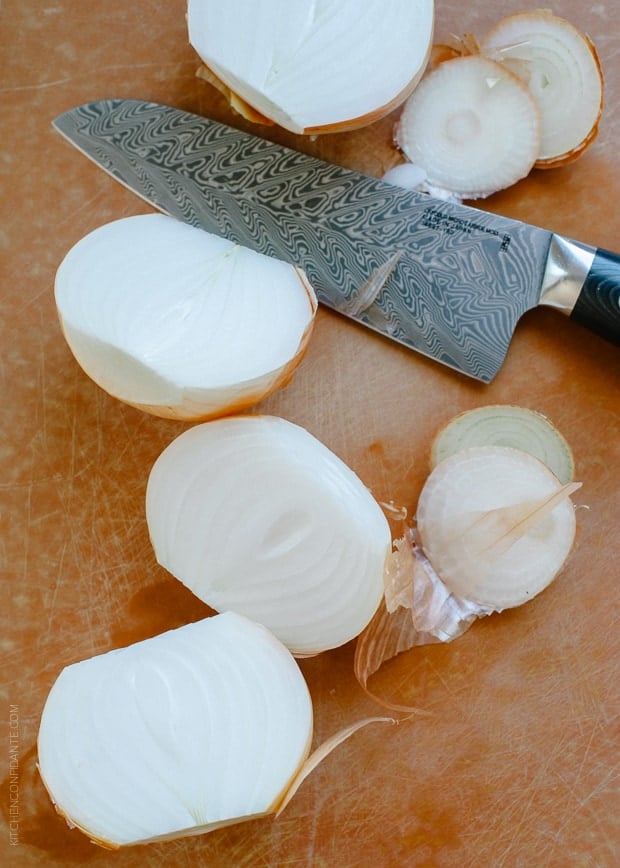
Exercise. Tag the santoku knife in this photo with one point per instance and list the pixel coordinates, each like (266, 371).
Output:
(444, 279)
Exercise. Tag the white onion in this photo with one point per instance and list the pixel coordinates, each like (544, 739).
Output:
(314, 66)
(474, 519)
(506, 425)
(561, 68)
(256, 515)
(178, 322)
(193, 729)
(494, 527)
(405, 175)
(472, 126)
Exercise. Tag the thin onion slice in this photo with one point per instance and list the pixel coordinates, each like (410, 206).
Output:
(506, 425)
(561, 68)
(494, 528)
(177, 735)
(304, 66)
(496, 524)
(472, 126)
(181, 323)
(255, 515)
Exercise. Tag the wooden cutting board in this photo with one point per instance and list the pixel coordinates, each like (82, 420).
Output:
(517, 763)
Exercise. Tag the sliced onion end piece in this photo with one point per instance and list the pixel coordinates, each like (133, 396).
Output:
(561, 67)
(506, 425)
(472, 126)
(465, 497)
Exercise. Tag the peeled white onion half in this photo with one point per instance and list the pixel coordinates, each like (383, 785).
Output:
(496, 525)
(255, 515)
(314, 67)
(181, 323)
(177, 735)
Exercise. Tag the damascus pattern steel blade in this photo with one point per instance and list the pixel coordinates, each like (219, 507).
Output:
(446, 280)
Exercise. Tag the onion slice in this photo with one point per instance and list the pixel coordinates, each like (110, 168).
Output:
(506, 425)
(494, 528)
(562, 70)
(181, 323)
(197, 728)
(496, 525)
(304, 66)
(472, 126)
(255, 515)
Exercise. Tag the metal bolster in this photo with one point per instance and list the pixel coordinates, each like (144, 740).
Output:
(568, 265)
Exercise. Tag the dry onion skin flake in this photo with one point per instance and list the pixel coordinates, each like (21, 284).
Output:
(562, 71)
(506, 425)
(305, 65)
(181, 323)
(195, 729)
(496, 525)
(255, 515)
(472, 126)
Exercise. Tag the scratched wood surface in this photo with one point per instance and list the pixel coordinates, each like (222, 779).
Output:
(518, 763)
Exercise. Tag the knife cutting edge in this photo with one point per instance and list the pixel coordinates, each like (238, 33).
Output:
(444, 279)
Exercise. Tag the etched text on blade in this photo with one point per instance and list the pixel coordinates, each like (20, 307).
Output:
(454, 291)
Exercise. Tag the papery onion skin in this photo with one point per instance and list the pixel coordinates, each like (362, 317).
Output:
(180, 323)
(164, 738)
(485, 478)
(293, 64)
(256, 515)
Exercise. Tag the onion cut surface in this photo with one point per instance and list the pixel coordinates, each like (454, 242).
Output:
(562, 70)
(176, 735)
(304, 64)
(472, 126)
(485, 525)
(255, 515)
(494, 528)
(181, 323)
(506, 425)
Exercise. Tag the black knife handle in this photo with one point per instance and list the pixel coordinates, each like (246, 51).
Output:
(598, 305)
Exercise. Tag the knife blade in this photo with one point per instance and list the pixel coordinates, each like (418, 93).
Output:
(444, 279)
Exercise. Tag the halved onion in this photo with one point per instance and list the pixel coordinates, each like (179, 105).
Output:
(314, 67)
(496, 525)
(562, 70)
(181, 323)
(177, 735)
(506, 425)
(257, 516)
(472, 126)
